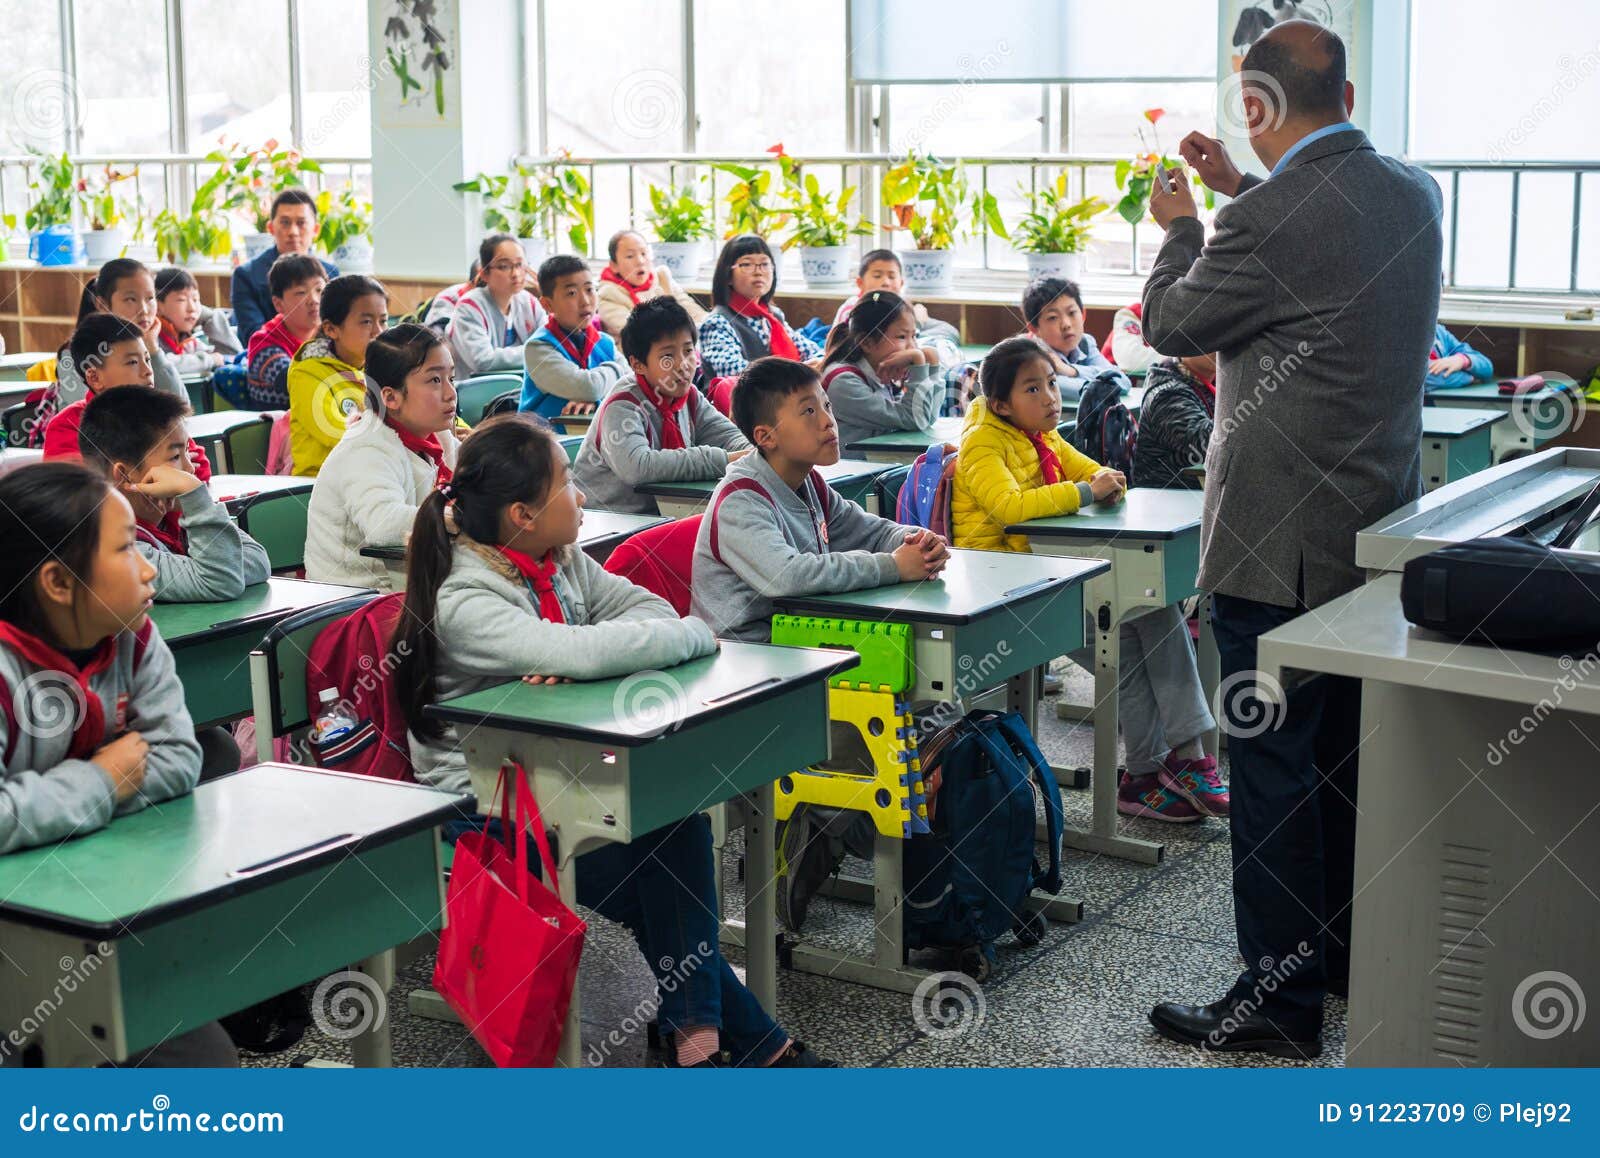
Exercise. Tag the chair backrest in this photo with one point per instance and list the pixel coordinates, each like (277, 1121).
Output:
(277, 520)
(571, 443)
(886, 488)
(503, 403)
(15, 421)
(660, 560)
(474, 395)
(248, 446)
(278, 666)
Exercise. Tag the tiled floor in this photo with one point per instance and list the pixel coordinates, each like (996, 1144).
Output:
(1079, 998)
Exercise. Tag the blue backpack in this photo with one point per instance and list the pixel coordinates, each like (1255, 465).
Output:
(969, 880)
(925, 495)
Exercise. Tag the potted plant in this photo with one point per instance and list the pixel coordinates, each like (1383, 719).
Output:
(266, 172)
(531, 203)
(929, 198)
(820, 225)
(203, 236)
(49, 219)
(8, 222)
(749, 211)
(344, 230)
(1137, 177)
(1054, 231)
(105, 209)
(681, 223)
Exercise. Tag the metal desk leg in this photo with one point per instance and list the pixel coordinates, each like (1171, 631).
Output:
(1209, 661)
(887, 968)
(571, 1053)
(373, 1047)
(761, 899)
(1024, 693)
(1103, 837)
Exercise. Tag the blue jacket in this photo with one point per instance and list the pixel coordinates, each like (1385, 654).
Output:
(250, 297)
(545, 354)
(1444, 344)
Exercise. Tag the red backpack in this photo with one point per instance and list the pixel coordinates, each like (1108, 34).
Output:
(355, 656)
(660, 560)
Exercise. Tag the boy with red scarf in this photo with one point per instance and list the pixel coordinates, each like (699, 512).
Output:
(632, 279)
(296, 281)
(655, 426)
(197, 339)
(569, 358)
(135, 437)
(745, 324)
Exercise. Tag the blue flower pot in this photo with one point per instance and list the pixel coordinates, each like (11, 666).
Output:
(54, 245)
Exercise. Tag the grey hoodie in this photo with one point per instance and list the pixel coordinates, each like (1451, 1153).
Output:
(44, 796)
(222, 560)
(754, 547)
(622, 448)
(488, 617)
(863, 405)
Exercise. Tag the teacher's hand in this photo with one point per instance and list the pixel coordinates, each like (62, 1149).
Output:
(1171, 197)
(1208, 157)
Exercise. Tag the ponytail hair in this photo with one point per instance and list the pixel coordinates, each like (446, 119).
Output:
(509, 459)
(871, 316)
(96, 296)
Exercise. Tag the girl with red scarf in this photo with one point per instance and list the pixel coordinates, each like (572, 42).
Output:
(745, 325)
(633, 278)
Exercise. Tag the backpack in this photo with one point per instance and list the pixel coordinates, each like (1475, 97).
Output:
(1106, 431)
(660, 560)
(969, 879)
(925, 495)
(354, 655)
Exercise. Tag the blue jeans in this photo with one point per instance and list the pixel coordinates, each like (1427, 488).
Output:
(662, 889)
(1293, 821)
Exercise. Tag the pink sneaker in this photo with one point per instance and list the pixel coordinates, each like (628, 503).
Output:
(1146, 796)
(1197, 782)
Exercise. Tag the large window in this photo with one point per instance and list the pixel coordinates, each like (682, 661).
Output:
(122, 76)
(235, 86)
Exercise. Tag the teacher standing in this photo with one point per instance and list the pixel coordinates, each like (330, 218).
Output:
(1319, 291)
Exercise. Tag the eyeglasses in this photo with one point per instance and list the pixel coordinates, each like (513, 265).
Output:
(508, 267)
(753, 266)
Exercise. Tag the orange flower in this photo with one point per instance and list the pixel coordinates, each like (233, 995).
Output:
(777, 150)
(273, 142)
(1154, 115)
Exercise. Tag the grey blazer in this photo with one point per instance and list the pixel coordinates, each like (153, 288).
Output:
(1319, 291)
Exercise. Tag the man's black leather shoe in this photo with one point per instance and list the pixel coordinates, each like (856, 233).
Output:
(1221, 1028)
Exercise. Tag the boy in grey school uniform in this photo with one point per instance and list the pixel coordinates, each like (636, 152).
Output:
(654, 426)
(135, 436)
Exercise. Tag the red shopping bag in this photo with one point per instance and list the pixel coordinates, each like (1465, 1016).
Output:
(508, 955)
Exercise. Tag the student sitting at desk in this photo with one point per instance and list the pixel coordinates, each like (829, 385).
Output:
(74, 630)
(1053, 309)
(389, 460)
(1452, 363)
(1015, 466)
(880, 269)
(495, 318)
(135, 437)
(113, 354)
(876, 376)
(775, 528)
(744, 324)
(570, 363)
(1175, 421)
(196, 337)
(441, 309)
(297, 282)
(326, 384)
(493, 570)
(632, 279)
(655, 426)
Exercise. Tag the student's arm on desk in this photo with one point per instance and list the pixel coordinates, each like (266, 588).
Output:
(860, 402)
(624, 443)
(713, 428)
(553, 373)
(752, 546)
(157, 712)
(213, 570)
(43, 807)
(852, 528)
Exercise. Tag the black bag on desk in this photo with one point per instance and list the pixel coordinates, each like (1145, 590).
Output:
(1506, 592)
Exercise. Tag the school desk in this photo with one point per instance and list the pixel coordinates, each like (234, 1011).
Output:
(196, 908)
(1152, 538)
(12, 393)
(236, 489)
(904, 446)
(1456, 441)
(852, 478)
(1477, 851)
(609, 759)
(220, 431)
(211, 642)
(1536, 418)
(12, 457)
(991, 618)
(15, 367)
(599, 535)
(272, 509)
(573, 423)
(198, 387)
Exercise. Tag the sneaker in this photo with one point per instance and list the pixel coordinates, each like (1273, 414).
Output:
(797, 1055)
(1146, 796)
(1197, 782)
(806, 858)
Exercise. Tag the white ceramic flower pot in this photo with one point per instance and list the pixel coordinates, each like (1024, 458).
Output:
(1067, 265)
(682, 258)
(827, 265)
(255, 244)
(101, 245)
(928, 269)
(534, 251)
(354, 256)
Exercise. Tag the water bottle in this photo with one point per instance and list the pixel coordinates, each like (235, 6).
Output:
(333, 722)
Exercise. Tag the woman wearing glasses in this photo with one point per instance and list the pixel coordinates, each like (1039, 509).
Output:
(498, 315)
(745, 325)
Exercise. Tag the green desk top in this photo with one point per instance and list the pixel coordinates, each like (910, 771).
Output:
(600, 529)
(219, 422)
(233, 489)
(1142, 513)
(975, 584)
(948, 429)
(842, 473)
(1457, 421)
(1490, 392)
(693, 693)
(260, 606)
(231, 835)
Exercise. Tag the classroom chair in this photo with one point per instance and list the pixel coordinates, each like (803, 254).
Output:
(474, 395)
(503, 403)
(277, 520)
(278, 670)
(246, 446)
(15, 421)
(886, 488)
